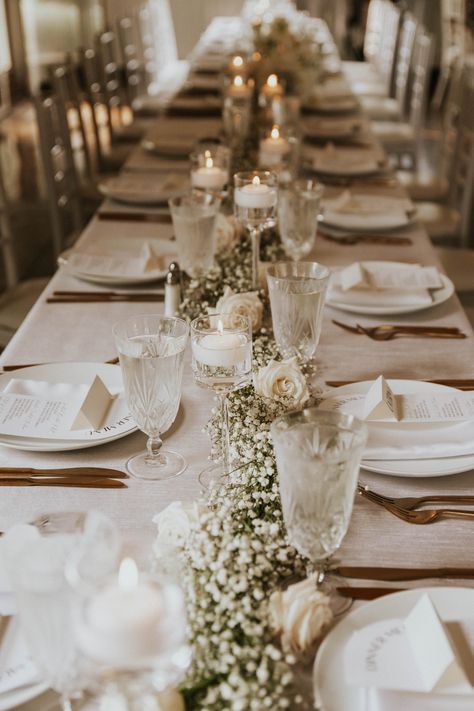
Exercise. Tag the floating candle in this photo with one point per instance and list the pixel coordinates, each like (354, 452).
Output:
(222, 349)
(210, 176)
(273, 148)
(272, 87)
(238, 88)
(255, 195)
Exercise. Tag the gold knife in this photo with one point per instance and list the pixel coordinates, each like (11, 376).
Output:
(391, 574)
(83, 482)
(366, 593)
(67, 471)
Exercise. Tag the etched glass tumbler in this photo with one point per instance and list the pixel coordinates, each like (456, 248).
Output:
(151, 352)
(297, 292)
(318, 458)
(194, 220)
(298, 211)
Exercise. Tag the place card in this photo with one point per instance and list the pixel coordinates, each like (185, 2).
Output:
(382, 276)
(416, 654)
(33, 408)
(16, 666)
(380, 402)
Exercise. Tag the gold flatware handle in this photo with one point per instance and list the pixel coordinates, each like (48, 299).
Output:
(106, 300)
(67, 471)
(82, 294)
(18, 366)
(366, 593)
(80, 482)
(397, 574)
(134, 217)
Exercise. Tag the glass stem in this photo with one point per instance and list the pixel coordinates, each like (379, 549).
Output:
(153, 456)
(66, 704)
(255, 237)
(223, 403)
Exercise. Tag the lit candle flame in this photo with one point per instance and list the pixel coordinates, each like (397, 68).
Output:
(238, 80)
(275, 132)
(128, 574)
(255, 180)
(237, 61)
(209, 162)
(272, 80)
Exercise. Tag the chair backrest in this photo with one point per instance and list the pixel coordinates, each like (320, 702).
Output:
(62, 182)
(6, 239)
(373, 29)
(403, 59)
(111, 75)
(67, 88)
(462, 167)
(149, 50)
(128, 33)
(421, 69)
(384, 60)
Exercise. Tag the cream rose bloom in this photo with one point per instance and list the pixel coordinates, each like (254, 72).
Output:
(283, 381)
(170, 700)
(176, 521)
(299, 614)
(227, 231)
(245, 304)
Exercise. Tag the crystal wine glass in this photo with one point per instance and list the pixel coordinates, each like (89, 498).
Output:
(255, 207)
(151, 351)
(36, 557)
(298, 211)
(318, 458)
(222, 361)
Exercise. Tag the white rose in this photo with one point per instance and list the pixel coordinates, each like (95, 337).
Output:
(170, 700)
(300, 614)
(282, 381)
(227, 231)
(245, 304)
(176, 521)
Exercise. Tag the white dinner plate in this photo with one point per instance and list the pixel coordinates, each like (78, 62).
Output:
(134, 190)
(413, 468)
(439, 297)
(73, 373)
(330, 690)
(384, 214)
(161, 247)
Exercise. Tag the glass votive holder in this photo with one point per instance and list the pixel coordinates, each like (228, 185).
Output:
(210, 167)
(272, 88)
(236, 119)
(238, 65)
(299, 204)
(285, 111)
(194, 221)
(279, 150)
(239, 87)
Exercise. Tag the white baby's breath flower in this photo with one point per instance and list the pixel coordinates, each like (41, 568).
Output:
(176, 521)
(243, 304)
(300, 614)
(282, 381)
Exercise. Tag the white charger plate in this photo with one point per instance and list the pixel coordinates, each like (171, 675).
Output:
(439, 297)
(412, 468)
(160, 246)
(69, 373)
(330, 690)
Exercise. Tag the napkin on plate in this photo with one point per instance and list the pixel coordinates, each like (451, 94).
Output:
(333, 88)
(365, 211)
(344, 161)
(154, 188)
(95, 262)
(398, 295)
(311, 126)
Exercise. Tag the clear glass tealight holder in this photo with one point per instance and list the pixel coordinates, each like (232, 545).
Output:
(221, 347)
(297, 292)
(279, 151)
(285, 111)
(299, 204)
(210, 167)
(255, 207)
(194, 220)
(236, 116)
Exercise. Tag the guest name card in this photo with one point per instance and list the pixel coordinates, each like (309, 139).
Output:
(361, 276)
(16, 666)
(35, 408)
(416, 654)
(382, 404)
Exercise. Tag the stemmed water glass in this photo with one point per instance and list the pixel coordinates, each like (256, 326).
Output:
(255, 207)
(297, 291)
(194, 221)
(318, 458)
(298, 211)
(222, 361)
(151, 352)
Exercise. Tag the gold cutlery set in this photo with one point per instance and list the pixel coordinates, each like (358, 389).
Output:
(386, 332)
(92, 297)
(80, 477)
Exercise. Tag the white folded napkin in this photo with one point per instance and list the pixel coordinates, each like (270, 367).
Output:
(100, 263)
(152, 188)
(333, 88)
(375, 297)
(335, 127)
(343, 161)
(380, 700)
(356, 211)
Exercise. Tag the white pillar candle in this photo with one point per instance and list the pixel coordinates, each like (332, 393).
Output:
(239, 89)
(255, 195)
(221, 349)
(121, 621)
(273, 148)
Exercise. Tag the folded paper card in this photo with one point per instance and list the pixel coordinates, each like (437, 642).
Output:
(34, 408)
(380, 403)
(16, 666)
(416, 654)
(371, 275)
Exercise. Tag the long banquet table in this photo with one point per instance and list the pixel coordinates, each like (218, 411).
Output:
(83, 332)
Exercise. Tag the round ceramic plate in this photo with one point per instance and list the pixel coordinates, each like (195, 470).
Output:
(391, 214)
(154, 192)
(73, 373)
(413, 468)
(439, 297)
(330, 690)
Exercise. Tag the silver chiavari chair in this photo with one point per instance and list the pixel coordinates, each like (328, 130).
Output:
(61, 178)
(18, 296)
(131, 57)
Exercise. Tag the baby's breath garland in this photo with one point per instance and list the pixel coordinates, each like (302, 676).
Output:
(237, 552)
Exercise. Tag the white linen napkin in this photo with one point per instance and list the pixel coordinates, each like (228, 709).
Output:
(359, 211)
(375, 297)
(152, 188)
(333, 88)
(343, 161)
(312, 126)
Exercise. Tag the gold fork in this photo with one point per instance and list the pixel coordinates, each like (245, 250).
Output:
(413, 502)
(388, 331)
(420, 517)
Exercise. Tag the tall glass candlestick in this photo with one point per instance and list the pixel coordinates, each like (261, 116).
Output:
(255, 206)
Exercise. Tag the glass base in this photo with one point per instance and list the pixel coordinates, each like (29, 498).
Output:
(171, 464)
(211, 476)
(337, 602)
